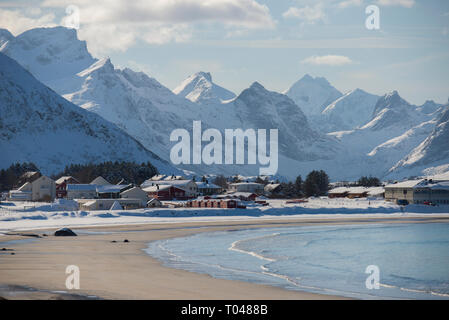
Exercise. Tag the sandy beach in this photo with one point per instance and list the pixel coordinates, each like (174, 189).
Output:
(120, 270)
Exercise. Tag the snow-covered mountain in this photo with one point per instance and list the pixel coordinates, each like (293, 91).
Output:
(200, 88)
(350, 111)
(37, 125)
(50, 54)
(5, 36)
(432, 152)
(312, 95)
(319, 128)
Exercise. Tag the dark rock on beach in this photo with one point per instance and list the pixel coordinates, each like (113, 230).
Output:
(65, 232)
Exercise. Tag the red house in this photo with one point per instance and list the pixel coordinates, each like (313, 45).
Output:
(61, 186)
(166, 192)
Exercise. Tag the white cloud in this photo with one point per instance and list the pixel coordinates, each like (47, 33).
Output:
(118, 24)
(402, 3)
(309, 14)
(17, 22)
(328, 60)
(349, 3)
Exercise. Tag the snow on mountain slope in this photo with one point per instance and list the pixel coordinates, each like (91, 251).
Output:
(312, 95)
(432, 152)
(429, 107)
(49, 53)
(5, 36)
(395, 129)
(135, 102)
(350, 111)
(199, 88)
(260, 108)
(39, 126)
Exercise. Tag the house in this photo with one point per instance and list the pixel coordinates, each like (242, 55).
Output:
(421, 191)
(100, 181)
(107, 204)
(61, 185)
(244, 196)
(28, 176)
(154, 203)
(252, 187)
(166, 192)
(81, 191)
(189, 186)
(135, 193)
(206, 188)
(356, 192)
(41, 189)
(272, 189)
(111, 191)
(340, 192)
(228, 204)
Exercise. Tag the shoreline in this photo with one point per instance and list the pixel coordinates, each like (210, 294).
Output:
(125, 271)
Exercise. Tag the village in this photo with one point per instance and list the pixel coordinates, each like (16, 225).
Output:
(171, 191)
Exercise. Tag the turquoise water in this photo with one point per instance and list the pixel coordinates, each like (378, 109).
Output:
(413, 259)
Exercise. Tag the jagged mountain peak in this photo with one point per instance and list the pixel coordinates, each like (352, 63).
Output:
(391, 100)
(49, 54)
(40, 126)
(312, 95)
(200, 88)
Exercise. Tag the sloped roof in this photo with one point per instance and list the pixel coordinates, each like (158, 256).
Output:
(100, 181)
(404, 184)
(204, 185)
(155, 188)
(64, 178)
(112, 188)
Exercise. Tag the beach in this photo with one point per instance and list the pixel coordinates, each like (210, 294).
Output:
(122, 270)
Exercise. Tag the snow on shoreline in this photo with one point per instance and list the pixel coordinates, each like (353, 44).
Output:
(26, 216)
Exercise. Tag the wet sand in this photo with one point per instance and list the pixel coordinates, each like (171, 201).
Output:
(119, 270)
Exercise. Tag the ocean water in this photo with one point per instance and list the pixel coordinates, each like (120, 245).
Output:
(412, 259)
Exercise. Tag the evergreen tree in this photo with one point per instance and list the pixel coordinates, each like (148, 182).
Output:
(316, 184)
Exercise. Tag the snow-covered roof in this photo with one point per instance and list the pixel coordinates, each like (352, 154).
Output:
(357, 190)
(111, 188)
(81, 187)
(177, 183)
(204, 185)
(155, 188)
(245, 183)
(404, 184)
(241, 194)
(63, 179)
(25, 186)
(100, 181)
(270, 187)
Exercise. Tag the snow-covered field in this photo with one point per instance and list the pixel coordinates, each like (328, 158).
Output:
(38, 215)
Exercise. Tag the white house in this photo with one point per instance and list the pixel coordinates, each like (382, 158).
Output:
(41, 189)
(251, 187)
(135, 193)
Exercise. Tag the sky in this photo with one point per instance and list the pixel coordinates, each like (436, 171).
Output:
(274, 42)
